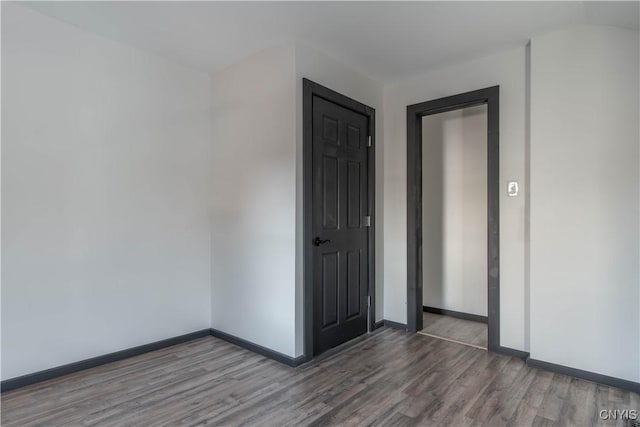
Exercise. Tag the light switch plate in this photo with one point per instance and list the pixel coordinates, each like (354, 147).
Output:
(512, 188)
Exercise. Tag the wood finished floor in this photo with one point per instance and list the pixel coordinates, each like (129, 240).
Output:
(389, 378)
(462, 330)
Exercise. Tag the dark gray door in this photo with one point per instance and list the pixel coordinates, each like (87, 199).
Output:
(340, 270)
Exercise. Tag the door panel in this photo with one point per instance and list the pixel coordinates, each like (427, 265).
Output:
(330, 193)
(340, 171)
(354, 214)
(329, 285)
(353, 284)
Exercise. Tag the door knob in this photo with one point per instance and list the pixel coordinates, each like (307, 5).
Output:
(318, 241)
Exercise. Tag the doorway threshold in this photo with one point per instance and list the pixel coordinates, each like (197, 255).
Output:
(479, 347)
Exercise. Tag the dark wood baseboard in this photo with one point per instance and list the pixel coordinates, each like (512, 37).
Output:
(512, 352)
(48, 374)
(379, 324)
(585, 375)
(458, 314)
(271, 354)
(36, 377)
(395, 325)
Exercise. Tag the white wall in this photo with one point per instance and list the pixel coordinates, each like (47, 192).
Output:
(454, 200)
(320, 68)
(506, 69)
(104, 203)
(585, 187)
(254, 199)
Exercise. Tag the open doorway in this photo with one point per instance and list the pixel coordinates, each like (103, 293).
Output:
(453, 218)
(454, 224)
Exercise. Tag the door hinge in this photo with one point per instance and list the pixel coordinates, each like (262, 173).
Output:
(369, 301)
(369, 144)
(367, 221)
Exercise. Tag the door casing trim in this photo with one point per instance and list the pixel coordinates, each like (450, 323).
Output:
(491, 97)
(309, 91)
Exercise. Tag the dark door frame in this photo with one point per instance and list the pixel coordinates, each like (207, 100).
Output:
(309, 91)
(489, 96)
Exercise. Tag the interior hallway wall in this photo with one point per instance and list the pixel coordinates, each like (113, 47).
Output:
(105, 214)
(454, 200)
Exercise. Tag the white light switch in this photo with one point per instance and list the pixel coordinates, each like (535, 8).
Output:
(512, 188)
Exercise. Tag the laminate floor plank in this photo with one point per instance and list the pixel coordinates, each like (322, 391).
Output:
(551, 406)
(530, 402)
(387, 378)
(468, 388)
